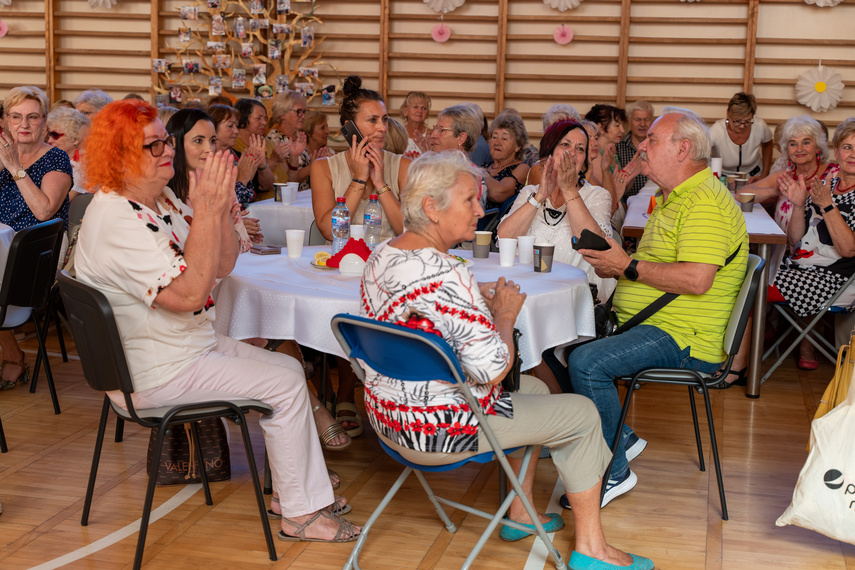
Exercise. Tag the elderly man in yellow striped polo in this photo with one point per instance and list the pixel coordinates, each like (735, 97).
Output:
(695, 245)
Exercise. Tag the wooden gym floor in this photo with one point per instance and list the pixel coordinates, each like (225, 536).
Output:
(672, 516)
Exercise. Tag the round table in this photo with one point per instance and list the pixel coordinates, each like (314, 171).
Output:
(274, 297)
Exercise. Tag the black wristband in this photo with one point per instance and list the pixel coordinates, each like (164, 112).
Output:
(358, 181)
(828, 208)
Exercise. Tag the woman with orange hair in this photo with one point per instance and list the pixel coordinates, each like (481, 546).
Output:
(137, 246)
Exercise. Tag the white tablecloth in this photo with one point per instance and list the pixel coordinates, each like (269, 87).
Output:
(272, 296)
(275, 217)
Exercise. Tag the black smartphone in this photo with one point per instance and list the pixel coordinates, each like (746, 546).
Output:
(590, 240)
(351, 133)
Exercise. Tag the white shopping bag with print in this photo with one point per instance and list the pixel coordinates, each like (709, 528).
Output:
(824, 498)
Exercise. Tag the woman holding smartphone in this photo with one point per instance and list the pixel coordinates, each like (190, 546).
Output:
(364, 169)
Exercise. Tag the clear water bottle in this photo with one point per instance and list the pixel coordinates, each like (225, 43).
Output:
(340, 225)
(372, 220)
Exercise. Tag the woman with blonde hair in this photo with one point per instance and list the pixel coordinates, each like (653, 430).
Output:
(286, 121)
(415, 110)
(34, 184)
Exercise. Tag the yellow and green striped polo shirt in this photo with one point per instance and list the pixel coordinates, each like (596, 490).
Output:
(702, 223)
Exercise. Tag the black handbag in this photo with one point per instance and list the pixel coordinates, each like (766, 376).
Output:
(511, 381)
(178, 465)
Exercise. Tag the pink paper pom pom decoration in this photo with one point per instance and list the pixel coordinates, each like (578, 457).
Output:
(563, 35)
(4, 28)
(440, 33)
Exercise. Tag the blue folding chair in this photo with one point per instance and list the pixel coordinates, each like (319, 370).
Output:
(415, 356)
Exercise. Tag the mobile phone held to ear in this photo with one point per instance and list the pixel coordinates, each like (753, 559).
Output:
(351, 133)
(590, 240)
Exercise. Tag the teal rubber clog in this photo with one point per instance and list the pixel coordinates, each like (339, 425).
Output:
(509, 534)
(581, 562)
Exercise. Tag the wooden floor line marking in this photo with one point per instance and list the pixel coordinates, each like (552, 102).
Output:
(122, 533)
(539, 556)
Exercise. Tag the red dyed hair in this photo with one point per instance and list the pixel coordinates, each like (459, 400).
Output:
(114, 146)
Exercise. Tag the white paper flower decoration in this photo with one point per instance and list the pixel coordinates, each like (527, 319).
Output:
(562, 5)
(819, 88)
(5, 2)
(443, 6)
(101, 3)
(824, 3)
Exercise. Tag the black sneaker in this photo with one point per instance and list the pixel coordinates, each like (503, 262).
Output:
(614, 488)
(634, 446)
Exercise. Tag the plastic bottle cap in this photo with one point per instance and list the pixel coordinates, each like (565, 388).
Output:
(373, 197)
(340, 200)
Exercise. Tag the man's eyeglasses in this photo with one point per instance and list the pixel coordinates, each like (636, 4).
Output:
(55, 135)
(300, 112)
(741, 123)
(156, 148)
(18, 117)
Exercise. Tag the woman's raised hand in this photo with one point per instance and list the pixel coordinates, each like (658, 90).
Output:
(820, 192)
(212, 189)
(322, 152)
(9, 153)
(547, 180)
(421, 140)
(375, 167)
(568, 174)
(794, 190)
(359, 159)
(299, 145)
(608, 156)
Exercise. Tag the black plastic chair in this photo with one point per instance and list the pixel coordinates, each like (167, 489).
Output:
(30, 271)
(102, 355)
(697, 381)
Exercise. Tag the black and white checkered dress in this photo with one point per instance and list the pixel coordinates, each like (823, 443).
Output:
(804, 285)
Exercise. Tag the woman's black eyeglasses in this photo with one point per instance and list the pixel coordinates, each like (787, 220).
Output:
(156, 148)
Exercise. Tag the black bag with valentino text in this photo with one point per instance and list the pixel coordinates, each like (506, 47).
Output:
(177, 463)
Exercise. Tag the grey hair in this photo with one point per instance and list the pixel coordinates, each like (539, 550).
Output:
(843, 131)
(640, 105)
(515, 126)
(94, 97)
(431, 176)
(464, 119)
(805, 125)
(283, 103)
(692, 128)
(72, 121)
(559, 112)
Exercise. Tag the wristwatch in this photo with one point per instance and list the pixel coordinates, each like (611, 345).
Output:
(631, 272)
(383, 190)
(828, 208)
(20, 174)
(534, 202)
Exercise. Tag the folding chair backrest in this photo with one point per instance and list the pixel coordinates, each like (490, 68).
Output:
(31, 266)
(93, 326)
(396, 351)
(742, 307)
(315, 235)
(76, 210)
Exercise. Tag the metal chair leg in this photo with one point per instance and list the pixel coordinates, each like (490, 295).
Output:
(268, 478)
(714, 445)
(256, 485)
(631, 387)
(200, 463)
(697, 428)
(149, 494)
(120, 430)
(3, 447)
(40, 334)
(96, 457)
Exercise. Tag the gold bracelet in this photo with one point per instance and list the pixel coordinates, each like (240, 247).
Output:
(573, 198)
(383, 190)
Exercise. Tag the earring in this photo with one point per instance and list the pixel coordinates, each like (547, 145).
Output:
(789, 163)
(76, 155)
(818, 159)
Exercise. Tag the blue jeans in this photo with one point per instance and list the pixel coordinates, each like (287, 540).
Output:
(594, 366)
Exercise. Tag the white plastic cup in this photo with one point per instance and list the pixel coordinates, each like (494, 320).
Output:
(357, 231)
(507, 251)
(715, 165)
(526, 244)
(289, 193)
(294, 241)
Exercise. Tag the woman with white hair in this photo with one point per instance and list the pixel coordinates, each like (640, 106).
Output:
(807, 151)
(91, 101)
(66, 129)
(427, 422)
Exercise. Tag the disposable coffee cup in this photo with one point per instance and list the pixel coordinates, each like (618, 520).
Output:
(481, 246)
(739, 183)
(277, 191)
(294, 241)
(289, 193)
(542, 258)
(357, 231)
(507, 251)
(746, 202)
(526, 247)
(715, 166)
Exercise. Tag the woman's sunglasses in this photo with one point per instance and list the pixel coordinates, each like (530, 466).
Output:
(55, 135)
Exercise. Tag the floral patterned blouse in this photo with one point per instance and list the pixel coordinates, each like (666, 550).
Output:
(434, 292)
